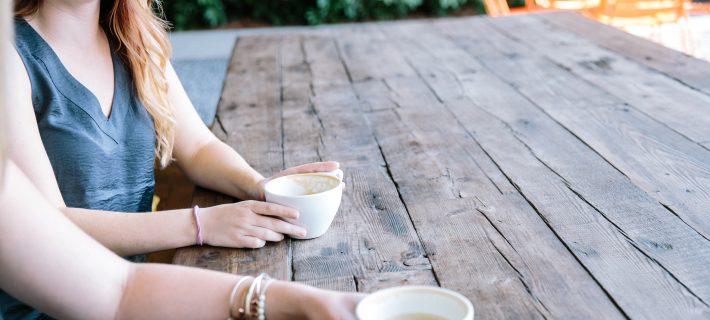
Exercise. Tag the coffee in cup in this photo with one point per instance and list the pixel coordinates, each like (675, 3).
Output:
(316, 196)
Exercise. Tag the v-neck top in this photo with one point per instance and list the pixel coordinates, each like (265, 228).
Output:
(100, 162)
(103, 163)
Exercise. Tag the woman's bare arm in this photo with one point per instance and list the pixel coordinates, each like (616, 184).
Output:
(52, 265)
(49, 263)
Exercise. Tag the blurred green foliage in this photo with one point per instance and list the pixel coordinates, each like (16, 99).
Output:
(190, 14)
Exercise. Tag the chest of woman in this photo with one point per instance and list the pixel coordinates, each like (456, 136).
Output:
(101, 161)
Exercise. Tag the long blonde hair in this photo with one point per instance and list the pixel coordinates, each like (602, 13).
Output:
(142, 43)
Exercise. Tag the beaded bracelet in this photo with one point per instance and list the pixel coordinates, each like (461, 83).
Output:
(255, 299)
(250, 294)
(261, 307)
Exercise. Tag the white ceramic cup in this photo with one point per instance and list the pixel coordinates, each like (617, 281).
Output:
(316, 196)
(415, 302)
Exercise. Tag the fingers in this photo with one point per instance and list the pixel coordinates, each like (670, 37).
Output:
(312, 167)
(272, 209)
(251, 242)
(280, 226)
(265, 234)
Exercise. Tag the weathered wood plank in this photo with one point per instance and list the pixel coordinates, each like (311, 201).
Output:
(607, 191)
(677, 65)
(653, 93)
(372, 236)
(422, 144)
(249, 119)
(604, 248)
(364, 52)
(664, 164)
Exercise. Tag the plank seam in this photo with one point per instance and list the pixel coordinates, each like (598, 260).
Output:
(311, 105)
(521, 278)
(441, 100)
(633, 243)
(290, 265)
(667, 207)
(221, 125)
(409, 215)
(537, 211)
(356, 282)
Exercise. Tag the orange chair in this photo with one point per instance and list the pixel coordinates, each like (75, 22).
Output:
(576, 5)
(652, 13)
(699, 7)
(496, 8)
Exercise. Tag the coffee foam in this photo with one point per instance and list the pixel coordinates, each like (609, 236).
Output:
(303, 184)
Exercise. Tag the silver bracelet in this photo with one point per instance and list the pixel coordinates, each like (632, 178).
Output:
(250, 294)
(233, 294)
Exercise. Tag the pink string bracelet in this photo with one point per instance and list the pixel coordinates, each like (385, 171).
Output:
(199, 227)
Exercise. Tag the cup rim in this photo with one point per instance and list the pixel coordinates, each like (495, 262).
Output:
(461, 298)
(339, 186)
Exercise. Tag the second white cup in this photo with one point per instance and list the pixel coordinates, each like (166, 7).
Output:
(415, 303)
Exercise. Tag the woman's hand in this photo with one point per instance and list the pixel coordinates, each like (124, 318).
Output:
(258, 192)
(247, 224)
(290, 300)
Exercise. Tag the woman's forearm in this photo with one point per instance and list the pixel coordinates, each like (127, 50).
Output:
(154, 291)
(49, 263)
(137, 233)
(218, 167)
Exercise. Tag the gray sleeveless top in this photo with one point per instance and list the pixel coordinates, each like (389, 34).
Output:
(103, 163)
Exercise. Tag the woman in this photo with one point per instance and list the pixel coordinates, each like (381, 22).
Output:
(97, 99)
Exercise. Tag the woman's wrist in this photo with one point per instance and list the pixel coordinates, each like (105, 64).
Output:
(258, 190)
(285, 300)
(247, 186)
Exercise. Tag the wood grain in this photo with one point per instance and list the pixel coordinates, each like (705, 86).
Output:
(344, 283)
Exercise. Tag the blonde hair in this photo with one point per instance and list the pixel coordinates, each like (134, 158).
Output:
(142, 43)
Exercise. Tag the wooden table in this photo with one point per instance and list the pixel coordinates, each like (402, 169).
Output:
(545, 166)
